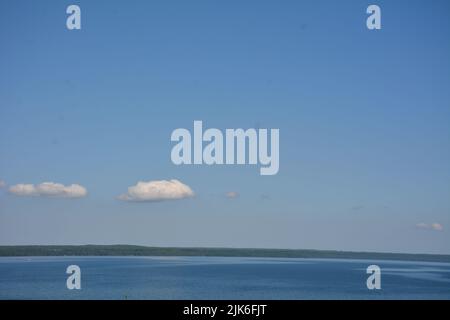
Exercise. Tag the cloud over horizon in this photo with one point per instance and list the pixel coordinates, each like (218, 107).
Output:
(432, 226)
(232, 195)
(157, 190)
(48, 189)
(2, 184)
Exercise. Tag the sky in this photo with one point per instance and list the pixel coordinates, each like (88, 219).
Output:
(363, 117)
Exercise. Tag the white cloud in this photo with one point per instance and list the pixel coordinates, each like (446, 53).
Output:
(49, 189)
(433, 226)
(157, 191)
(232, 194)
(2, 184)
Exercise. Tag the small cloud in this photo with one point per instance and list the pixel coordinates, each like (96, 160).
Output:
(232, 195)
(265, 197)
(2, 184)
(157, 190)
(357, 207)
(433, 226)
(437, 227)
(48, 189)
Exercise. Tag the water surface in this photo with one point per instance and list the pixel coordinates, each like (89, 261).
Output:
(219, 278)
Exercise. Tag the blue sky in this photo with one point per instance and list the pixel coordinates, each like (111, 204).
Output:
(363, 118)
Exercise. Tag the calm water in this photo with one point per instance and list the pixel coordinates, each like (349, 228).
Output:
(219, 278)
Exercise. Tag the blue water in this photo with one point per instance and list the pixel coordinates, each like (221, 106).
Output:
(219, 278)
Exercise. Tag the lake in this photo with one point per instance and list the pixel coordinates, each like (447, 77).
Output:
(219, 278)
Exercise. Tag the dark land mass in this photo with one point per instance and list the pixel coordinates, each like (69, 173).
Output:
(130, 250)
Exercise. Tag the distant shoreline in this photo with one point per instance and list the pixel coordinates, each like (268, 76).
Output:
(131, 250)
